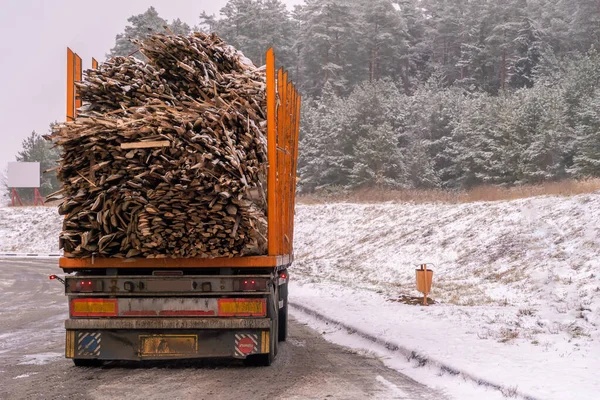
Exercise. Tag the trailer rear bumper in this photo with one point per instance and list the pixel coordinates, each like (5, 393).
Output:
(160, 339)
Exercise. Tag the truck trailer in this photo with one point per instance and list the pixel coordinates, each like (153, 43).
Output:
(186, 308)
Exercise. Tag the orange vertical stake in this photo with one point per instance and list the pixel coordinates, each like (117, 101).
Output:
(295, 157)
(272, 154)
(281, 160)
(77, 78)
(293, 169)
(94, 63)
(288, 166)
(280, 120)
(289, 161)
(70, 85)
(281, 139)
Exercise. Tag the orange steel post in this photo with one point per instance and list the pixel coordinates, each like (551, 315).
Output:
(281, 155)
(272, 154)
(294, 139)
(70, 85)
(288, 164)
(291, 173)
(295, 158)
(280, 127)
(289, 161)
(94, 63)
(78, 77)
(281, 181)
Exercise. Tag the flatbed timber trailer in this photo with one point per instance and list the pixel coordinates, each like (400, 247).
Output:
(156, 309)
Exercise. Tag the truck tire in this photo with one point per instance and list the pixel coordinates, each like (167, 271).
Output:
(283, 314)
(86, 362)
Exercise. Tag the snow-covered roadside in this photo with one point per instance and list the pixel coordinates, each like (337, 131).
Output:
(452, 335)
(454, 386)
(29, 229)
(518, 284)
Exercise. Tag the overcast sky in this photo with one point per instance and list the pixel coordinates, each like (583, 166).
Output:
(34, 35)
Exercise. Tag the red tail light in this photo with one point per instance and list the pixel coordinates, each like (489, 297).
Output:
(251, 285)
(86, 285)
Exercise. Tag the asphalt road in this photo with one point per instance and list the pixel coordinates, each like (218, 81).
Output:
(32, 366)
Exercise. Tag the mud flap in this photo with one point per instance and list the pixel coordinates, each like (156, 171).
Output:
(249, 343)
(83, 344)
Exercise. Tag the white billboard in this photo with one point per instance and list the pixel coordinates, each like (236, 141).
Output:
(23, 174)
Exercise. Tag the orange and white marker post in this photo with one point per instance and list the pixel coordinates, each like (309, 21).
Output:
(424, 280)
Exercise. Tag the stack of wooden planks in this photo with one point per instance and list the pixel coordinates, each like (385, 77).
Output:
(167, 158)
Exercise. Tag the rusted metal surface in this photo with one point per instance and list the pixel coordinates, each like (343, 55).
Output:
(170, 345)
(174, 323)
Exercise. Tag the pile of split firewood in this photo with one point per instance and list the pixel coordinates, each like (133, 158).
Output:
(167, 158)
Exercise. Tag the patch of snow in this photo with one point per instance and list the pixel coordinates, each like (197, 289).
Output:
(4, 283)
(40, 358)
(296, 342)
(25, 375)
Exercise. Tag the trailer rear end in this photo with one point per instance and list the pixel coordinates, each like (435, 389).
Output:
(165, 308)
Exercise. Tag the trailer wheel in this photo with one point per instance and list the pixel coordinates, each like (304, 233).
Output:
(283, 314)
(86, 362)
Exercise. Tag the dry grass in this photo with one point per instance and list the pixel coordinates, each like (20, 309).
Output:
(481, 193)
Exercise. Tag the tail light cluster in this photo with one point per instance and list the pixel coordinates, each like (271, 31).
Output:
(86, 285)
(93, 285)
(250, 285)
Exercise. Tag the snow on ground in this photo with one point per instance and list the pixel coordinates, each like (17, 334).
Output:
(25, 375)
(40, 358)
(517, 283)
(29, 229)
(453, 387)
